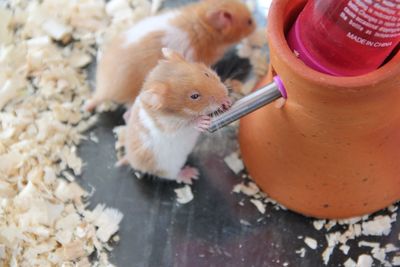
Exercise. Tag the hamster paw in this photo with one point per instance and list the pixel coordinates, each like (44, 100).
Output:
(122, 162)
(203, 123)
(126, 115)
(90, 105)
(187, 174)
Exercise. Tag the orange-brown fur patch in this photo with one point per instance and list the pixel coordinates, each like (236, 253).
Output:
(139, 156)
(193, 77)
(155, 115)
(210, 44)
(122, 70)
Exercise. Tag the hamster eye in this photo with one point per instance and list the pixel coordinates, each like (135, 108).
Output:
(205, 73)
(250, 22)
(195, 96)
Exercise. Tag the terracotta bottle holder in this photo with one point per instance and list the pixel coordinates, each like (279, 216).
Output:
(333, 151)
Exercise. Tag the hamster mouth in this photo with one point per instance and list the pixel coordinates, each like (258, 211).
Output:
(221, 109)
(216, 113)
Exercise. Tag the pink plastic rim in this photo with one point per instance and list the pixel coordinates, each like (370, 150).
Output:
(281, 86)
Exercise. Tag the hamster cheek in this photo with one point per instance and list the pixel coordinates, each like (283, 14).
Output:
(190, 112)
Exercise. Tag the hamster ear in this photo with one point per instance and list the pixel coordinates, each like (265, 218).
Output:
(154, 95)
(170, 54)
(219, 19)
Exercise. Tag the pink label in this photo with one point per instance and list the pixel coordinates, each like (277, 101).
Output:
(380, 21)
(346, 37)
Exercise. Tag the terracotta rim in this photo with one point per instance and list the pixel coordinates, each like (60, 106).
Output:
(278, 40)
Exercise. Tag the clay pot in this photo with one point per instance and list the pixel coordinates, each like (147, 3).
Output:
(333, 151)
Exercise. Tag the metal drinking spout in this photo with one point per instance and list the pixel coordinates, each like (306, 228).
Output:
(249, 103)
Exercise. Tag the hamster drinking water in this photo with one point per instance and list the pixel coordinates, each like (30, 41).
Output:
(201, 32)
(168, 115)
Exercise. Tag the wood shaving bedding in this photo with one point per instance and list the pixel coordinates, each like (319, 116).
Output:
(396, 261)
(234, 162)
(359, 227)
(311, 242)
(364, 261)
(259, 205)
(254, 48)
(184, 194)
(350, 263)
(44, 219)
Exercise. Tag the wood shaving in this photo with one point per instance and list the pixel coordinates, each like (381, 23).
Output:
(107, 221)
(116, 238)
(57, 30)
(119, 133)
(249, 190)
(259, 205)
(377, 225)
(345, 249)
(364, 261)
(350, 263)
(234, 162)
(258, 198)
(301, 252)
(5, 21)
(332, 240)
(353, 228)
(319, 224)
(115, 6)
(93, 137)
(43, 48)
(330, 224)
(396, 261)
(311, 242)
(326, 254)
(244, 222)
(156, 6)
(391, 248)
(184, 194)
(380, 225)
(380, 255)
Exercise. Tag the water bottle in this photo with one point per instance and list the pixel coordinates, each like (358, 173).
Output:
(346, 37)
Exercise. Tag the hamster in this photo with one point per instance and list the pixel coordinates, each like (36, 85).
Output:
(168, 115)
(201, 32)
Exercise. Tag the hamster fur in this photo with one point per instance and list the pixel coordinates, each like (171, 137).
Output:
(200, 32)
(168, 115)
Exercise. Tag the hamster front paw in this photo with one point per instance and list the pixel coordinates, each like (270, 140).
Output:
(122, 162)
(187, 174)
(127, 115)
(202, 123)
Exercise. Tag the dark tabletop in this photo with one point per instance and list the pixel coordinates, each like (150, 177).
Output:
(157, 231)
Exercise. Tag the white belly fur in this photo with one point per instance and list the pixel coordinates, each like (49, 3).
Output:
(170, 149)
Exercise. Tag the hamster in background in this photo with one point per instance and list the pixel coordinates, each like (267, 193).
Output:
(201, 32)
(168, 115)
